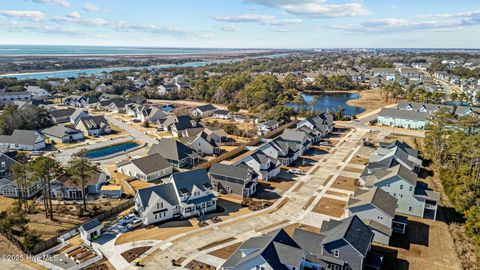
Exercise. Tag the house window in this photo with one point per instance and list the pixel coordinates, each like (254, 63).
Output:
(409, 209)
(336, 253)
(411, 188)
(401, 186)
(260, 267)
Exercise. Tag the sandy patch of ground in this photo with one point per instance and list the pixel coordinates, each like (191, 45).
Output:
(345, 183)
(330, 207)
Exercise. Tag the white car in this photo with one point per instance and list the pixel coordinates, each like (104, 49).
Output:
(135, 224)
(324, 143)
(295, 171)
(127, 219)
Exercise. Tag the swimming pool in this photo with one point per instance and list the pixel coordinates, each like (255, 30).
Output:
(110, 150)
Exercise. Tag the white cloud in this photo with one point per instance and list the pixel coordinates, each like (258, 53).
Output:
(256, 18)
(62, 3)
(229, 28)
(91, 7)
(23, 14)
(417, 23)
(74, 15)
(316, 8)
(122, 26)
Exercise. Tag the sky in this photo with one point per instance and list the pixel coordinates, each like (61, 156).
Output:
(243, 23)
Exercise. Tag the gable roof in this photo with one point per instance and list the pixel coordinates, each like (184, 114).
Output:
(165, 191)
(149, 164)
(230, 171)
(19, 136)
(376, 197)
(185, 181)
(403, 114)
(94, 122)
(59, 131)
(171, 149)
(352, 230)
(94, 223)
(62, 112)
(277, 248)
(206, 107)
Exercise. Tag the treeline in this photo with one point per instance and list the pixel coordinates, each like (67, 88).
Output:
(335, 82)
(453, 145)
(375, 62)
(30, 118)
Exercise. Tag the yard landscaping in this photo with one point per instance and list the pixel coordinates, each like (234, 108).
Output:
(134, 253)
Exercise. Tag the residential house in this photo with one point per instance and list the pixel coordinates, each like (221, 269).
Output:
(376, 208)
(299, 137)
(62, 115)
(37, 92)
(149, 168)
(393, 155)
(342, 244)
(149, 113)
(67, 188)
(9, 187)
(6, 164)
(267, 126)
(275, 250)
(26, 140)
(202, 143)
(203, 111)
(114, 105)
(177, 153)
(94, 126)
(77, 115)
(222, 114)
(185, 194)
(10, 97)
(63, 134)
(265, 166)
(230, 179)
(112, 191)
(81, 102)
(284, 151)
(414, 197)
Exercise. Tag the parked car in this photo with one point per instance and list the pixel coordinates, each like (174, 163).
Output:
(135, 224)
(127, 219)
(295, 171)
(36, 153)
(325, 143)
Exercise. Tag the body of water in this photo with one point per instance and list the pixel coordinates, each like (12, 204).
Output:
(331, 102)
(42, 50)
(111, 150)
(62, 74)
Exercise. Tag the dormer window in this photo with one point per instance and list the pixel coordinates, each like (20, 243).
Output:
(336, 253)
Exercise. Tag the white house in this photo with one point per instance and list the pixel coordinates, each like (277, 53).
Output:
(10, 97)
(265, 166)
(27, 140)
(202, 143)
(90, 230)
(203, 111)
(186, 194)
(37, 92)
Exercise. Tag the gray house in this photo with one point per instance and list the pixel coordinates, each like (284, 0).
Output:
(27, 140)
(63, 134)
(178, 154)
(239, 180)
(275, 250)
(414, 197)
(343, 244)
(376, 208)
(149, 168)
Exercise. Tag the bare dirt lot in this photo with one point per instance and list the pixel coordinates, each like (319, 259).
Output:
(226, 252)
(427, 245)
(346, 183)
(330, 207)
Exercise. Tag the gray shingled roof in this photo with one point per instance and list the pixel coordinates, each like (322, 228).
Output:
(184, 181)
(149, 164)
(165, 191)
(376, 197)
(403, 114)
(91, 224)
(62, 112)
(206, 107)
(353, 231)
(229, 171)
(171, 149)
(26, 137)
(59, 131)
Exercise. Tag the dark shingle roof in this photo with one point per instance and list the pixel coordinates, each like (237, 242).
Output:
(171, 149)
(62, 113)
(375, 196)
(149, 164)
(91, 224)
(229, 171)
(205, 108)
(184, 181)
(165, 191)
(353, 231)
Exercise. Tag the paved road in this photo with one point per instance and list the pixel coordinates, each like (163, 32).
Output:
(243, 227)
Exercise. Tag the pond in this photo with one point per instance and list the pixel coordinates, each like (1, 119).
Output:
(330, 102)
(110, 150)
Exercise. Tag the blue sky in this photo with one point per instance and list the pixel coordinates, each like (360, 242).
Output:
(243, 23)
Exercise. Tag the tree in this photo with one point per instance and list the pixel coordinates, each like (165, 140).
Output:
(339, 114)
(30, 117)
(233, 108)
(146, 124)
(20, 171)
(280, 113)
(472, 223)
(81, 170)
(30, 239)
(45, 170)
